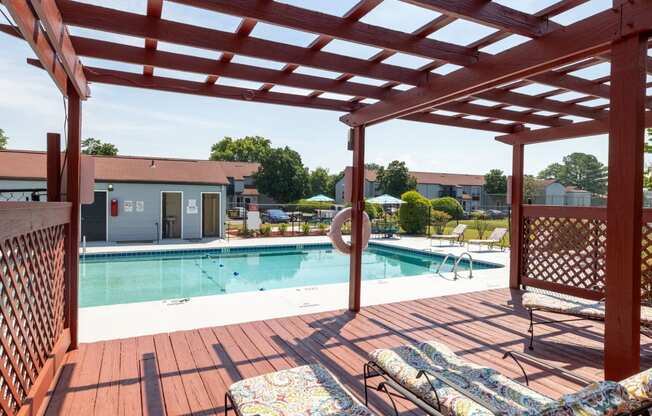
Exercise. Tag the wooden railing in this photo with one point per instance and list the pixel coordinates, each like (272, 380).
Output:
(564, 250)
(33, 307)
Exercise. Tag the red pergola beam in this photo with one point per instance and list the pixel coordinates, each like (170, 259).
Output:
(50, 17)
(131, 54)
(115, 21)
(113, 77)
(154, 9)
(491, 14)
(29, 27)
(131, 24)
(336, 27)
(585, 38)
(573, 131)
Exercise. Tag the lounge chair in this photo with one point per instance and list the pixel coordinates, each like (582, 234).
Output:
(440, 383)
(579, 308)
(496, 238)
(307, 390)
(456, 236)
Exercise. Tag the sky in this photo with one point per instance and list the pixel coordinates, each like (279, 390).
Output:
(151, 123)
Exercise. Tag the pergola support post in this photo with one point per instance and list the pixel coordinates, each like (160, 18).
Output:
(517, 216)
(53, 167)
(73, 168)
(357, 210)
(624, 207)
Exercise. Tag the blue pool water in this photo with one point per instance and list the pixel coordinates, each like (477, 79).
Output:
(113, 279)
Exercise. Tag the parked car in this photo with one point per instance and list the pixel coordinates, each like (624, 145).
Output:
(275, 216)
(495, 214)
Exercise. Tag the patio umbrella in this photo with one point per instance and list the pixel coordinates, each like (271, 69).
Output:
(385, 200)
(320, 198)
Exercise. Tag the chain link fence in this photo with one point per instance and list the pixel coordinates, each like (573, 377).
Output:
(22, 195)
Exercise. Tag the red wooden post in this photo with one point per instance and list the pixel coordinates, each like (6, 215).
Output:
(73, 196)
(53, 167)
(516, 242)
(357, 204)
(624, 208)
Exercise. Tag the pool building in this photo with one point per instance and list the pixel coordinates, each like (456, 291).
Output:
(136, 199)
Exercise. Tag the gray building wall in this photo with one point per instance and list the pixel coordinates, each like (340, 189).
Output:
(370, 190)
(136, 225)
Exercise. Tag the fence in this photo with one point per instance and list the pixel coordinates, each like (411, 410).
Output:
(33, 309)
(564, 249)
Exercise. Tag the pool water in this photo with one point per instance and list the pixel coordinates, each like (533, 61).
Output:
(114, 279)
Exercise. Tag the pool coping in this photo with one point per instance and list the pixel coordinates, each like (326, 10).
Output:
(243, 249)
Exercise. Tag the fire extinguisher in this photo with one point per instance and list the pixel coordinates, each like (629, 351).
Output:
(114, 207)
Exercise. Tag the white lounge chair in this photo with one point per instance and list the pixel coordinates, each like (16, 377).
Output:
(456, 236)
(496, 238)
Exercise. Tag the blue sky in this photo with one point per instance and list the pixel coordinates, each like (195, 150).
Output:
(141, 122)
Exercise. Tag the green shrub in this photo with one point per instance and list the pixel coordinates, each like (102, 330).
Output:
(373, 210)
(282, 228)
(480, 222)
(322, 228)
(439, 219)
(266, 230)
(450, 206)
(311, 206)
(346, 228)
(305, 228)
(413, 214)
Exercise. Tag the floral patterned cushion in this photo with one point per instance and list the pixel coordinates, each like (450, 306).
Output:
(597, 399)
(639, 386)
(499, 392)
(574, 306)
(307, 391)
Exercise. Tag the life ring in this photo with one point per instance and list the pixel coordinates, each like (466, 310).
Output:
(335, 233)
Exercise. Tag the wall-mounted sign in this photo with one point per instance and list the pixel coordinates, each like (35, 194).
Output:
(140, 206)
(128, 206)
(192, 207)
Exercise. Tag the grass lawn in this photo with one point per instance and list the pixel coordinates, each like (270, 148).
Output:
(472, 232)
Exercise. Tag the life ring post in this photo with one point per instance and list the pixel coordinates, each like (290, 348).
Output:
(357, 217)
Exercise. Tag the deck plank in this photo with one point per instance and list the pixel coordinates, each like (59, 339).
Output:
(176, 402)
(188, 372)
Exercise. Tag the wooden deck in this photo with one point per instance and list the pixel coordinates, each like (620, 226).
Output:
(187, 372)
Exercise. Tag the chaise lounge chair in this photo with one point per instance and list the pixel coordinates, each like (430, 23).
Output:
(579, 308)
(440, 383)
(496, 238)
(456, 236)
(310, 390)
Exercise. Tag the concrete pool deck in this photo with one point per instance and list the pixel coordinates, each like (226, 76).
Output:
(146, 318)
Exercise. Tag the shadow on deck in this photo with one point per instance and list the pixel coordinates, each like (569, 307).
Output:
(188, 372)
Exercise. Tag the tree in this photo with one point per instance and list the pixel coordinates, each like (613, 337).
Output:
(92, 146)
(413, 214)
(282, 176)
(395, 180)
(319, 181)
(3, 139)
(529, 188)
(581, 170)
(495, 182)
(449, 205)
(372, 166)
(246, 149)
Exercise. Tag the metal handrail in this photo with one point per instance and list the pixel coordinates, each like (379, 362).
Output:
(457, 262)
(443, 262)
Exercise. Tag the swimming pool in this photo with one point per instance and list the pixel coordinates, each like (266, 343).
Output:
(107, 279)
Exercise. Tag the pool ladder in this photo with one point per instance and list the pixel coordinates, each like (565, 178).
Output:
(456, 264)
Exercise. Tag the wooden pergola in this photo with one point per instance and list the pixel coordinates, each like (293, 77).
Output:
(429, 94)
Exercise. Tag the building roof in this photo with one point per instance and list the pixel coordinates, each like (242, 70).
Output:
(448, 179)
(439, 178)
(25, 164)
(239, 170)
(250, 192)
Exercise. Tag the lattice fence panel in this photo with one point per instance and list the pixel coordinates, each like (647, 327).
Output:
(31, 309)
(646, 264)
(565, 251)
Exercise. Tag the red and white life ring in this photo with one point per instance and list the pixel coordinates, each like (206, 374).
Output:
(335, 232)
